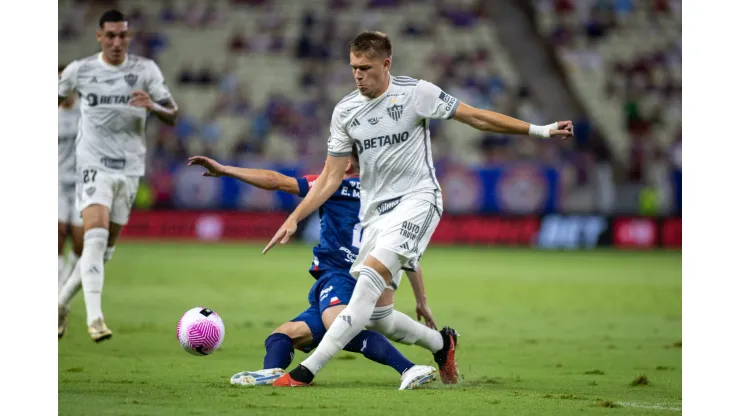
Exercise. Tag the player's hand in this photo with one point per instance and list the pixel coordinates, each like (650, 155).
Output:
(564, 130)
(141, 99)
(215, 169)
(283, 235)
(424, 311)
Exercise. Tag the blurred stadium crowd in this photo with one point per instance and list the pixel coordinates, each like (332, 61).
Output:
(257, 81)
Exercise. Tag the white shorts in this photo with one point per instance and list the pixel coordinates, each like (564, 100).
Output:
(404, 230)
(115, 191)
(68, 213)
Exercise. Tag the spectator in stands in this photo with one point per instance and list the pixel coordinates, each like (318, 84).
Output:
(187, 74)
(495, 148)
(136, 18)
(250, 2)
(241, 105)
(210, 131)
(597, 24)
(459, 15)
(194, 13)
(415, 27)
(211, 15)
(72, 14)
(149, 42)
(206, 76)
(229, 79)
(320, 48)
(234, 102)
(562, 34)
(526, 109)
(337, 4)
(260, 42)
(277, 41)
(624, 7)
(309, 75)
(308, 20)
(238, 41)
(304, 48)
(373, 4)
(244, 144)
(186, 126)
(563, 6)
(272, 19)
(168, 13)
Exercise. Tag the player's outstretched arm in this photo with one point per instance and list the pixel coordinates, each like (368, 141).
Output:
(422, 307)
(485, 120)
(324, 187)
(261, 178)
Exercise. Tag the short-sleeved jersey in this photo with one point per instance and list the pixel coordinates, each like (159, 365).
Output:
(339, 240)
(391, 135)
(67, 132)
(112, 132)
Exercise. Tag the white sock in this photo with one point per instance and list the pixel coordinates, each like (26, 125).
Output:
(108, 253)
(91, 268)
(69, 265)
(60, 269)
(350, 321)
(71, 286)
(399, 327)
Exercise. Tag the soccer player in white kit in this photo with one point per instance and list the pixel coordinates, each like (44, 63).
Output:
(117, 91)
(70, 221)
(387, 120)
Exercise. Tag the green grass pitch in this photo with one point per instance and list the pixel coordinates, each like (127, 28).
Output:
(543, 333)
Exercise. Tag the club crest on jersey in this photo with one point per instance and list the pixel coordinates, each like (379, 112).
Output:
(131, 79)
(395, 111)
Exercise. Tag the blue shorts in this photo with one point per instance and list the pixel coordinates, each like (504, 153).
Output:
(331, 289)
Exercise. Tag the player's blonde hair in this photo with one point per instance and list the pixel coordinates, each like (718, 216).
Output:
(372, 42)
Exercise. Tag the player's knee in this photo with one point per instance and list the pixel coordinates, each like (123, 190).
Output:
(95, 216)
(385, 262)
(330, 314)
(387, 298)
(298, 332)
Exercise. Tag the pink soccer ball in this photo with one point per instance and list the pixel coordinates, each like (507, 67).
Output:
(200, 331)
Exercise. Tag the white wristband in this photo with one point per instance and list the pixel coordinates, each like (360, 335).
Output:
(542, 131)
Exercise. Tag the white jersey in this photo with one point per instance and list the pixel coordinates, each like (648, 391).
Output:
(391, 135)
(69, 118)
(112, 133)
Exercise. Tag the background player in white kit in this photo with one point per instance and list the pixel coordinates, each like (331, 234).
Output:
(70, 221)
(387, 120)
(118, 91)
